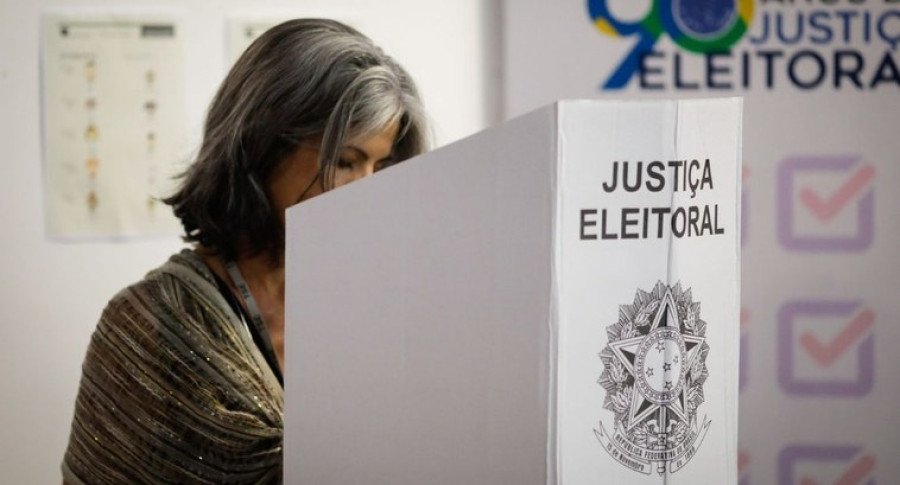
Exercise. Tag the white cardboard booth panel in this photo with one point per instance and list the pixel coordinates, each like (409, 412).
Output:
(554, 300)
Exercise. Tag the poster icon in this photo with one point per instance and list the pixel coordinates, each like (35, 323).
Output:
(826, 348)
(654, 368)
(826, 203)
(826, 464)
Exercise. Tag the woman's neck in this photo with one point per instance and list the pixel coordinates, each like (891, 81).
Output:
(265, 277)
(263, 273)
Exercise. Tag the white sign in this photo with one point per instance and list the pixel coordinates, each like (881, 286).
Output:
(648, 292)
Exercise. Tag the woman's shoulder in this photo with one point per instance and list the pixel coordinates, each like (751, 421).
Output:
(176, 322)
(177, 305)
(182, 268)
(167, 374)
(179, 284)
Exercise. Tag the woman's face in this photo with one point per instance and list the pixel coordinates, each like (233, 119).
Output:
(296, 178)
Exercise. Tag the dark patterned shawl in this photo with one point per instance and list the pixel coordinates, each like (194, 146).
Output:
(173, 389)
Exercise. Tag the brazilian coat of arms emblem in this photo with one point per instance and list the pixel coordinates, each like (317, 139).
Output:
(654, 367)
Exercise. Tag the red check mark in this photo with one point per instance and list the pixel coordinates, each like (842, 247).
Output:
(825, 209)
(859, 470)
(743, 461)
(826, 354)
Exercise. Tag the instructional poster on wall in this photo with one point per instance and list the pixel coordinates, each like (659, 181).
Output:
(113, 94)
(243, 29)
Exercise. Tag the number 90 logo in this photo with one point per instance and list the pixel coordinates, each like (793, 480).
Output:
(700, 26)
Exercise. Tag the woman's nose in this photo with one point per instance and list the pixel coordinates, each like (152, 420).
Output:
(365, 170)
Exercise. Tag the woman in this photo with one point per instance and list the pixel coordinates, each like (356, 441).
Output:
(182, 379)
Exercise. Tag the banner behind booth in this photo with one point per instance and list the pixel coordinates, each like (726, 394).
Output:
(821, 214)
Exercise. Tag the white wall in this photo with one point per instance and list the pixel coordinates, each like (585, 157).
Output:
(53, 292)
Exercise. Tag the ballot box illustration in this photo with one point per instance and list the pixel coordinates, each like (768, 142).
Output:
(552, 301)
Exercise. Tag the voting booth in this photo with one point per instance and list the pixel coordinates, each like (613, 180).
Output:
(551, 301)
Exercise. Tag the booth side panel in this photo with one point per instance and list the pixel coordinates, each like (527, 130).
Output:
(417, 307)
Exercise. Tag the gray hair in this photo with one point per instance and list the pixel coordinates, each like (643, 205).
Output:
(300, 79)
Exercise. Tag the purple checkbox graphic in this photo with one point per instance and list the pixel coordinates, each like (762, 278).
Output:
(855, 335)
(855, 188)
(743, 467)
(854, 464)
